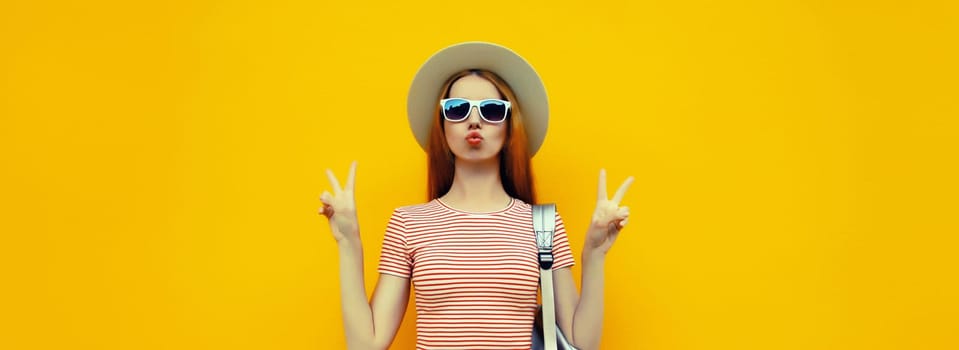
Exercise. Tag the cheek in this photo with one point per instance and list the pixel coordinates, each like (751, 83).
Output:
(451, 133)
(498, 138)
(449, 130)
(501, 133)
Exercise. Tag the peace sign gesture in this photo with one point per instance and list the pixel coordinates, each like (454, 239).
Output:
(608, 218)
(340, 207)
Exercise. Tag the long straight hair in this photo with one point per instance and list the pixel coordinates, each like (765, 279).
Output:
(514, 160)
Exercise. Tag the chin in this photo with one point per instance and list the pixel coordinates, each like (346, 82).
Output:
(476, 155)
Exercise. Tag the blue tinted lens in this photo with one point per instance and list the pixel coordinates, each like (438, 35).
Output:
(493, 110)
(456, 109)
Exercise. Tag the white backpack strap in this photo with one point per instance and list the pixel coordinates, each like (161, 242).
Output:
(544, 223)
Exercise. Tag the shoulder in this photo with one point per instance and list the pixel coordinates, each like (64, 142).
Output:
(522, 206)
(418, 211)
(417, 208)
(525, 208)
(520, 210)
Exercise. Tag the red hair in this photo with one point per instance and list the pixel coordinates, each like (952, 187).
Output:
(514, 160)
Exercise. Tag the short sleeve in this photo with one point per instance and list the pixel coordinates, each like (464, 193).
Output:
(562, 255)
(394, 255)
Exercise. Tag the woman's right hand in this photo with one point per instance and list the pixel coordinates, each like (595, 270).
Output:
(340, 207)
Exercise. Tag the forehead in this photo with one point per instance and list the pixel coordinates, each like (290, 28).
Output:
(474, 87)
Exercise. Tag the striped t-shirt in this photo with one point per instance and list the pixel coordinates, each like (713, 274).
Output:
(475, 275)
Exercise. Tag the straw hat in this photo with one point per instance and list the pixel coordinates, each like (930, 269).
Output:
(526, 84)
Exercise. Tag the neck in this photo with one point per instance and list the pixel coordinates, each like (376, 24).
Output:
(477, 187)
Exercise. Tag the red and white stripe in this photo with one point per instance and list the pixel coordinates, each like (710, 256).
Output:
(475, 275)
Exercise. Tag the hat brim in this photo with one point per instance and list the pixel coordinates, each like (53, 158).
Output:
(526, 84)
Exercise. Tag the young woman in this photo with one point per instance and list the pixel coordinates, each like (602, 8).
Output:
(480, 112)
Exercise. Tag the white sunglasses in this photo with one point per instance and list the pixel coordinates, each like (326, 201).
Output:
(491, 110)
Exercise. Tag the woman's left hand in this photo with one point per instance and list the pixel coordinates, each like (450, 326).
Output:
(609, 218)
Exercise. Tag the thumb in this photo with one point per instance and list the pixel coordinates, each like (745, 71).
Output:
(326, 198)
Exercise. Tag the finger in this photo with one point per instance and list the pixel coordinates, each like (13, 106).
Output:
(326, 198)
(621, 192)
(614, 228)
(601, 192)
(622, 212)
(352, 177)
(623, 223)
(336, 184)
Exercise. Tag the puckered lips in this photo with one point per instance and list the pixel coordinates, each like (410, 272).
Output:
(474, 138)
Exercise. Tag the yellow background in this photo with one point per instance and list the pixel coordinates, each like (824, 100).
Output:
(161, 164)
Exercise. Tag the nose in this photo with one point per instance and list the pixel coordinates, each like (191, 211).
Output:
(473, 118)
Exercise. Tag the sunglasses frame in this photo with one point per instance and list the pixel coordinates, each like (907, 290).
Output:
(474, 103)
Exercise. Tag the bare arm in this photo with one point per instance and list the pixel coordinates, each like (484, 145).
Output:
(581, 317)
(367, 324)
(373, 324)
